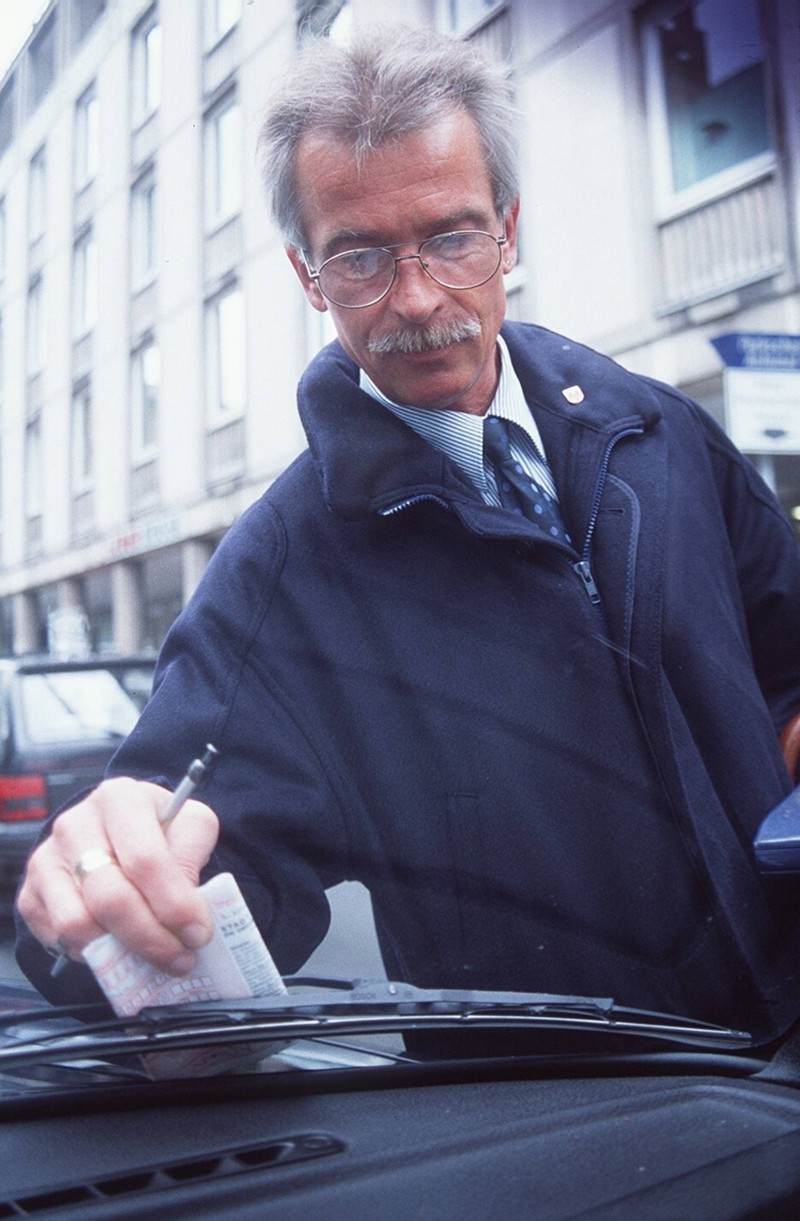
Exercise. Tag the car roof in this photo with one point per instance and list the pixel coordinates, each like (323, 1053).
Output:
(40, 663)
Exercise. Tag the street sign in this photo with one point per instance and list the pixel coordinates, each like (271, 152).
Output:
(762, 391)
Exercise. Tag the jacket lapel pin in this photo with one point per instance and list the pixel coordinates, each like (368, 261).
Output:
(574, 395)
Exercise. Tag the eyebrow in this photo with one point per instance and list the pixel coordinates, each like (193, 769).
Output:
(355, 239)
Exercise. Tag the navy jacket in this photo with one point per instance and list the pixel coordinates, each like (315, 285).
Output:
(546, 765)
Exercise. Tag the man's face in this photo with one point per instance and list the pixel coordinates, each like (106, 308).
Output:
(430, 182)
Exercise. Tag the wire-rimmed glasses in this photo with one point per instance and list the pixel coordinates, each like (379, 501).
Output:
(354, 279)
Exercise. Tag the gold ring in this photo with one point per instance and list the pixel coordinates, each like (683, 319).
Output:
(95, 858)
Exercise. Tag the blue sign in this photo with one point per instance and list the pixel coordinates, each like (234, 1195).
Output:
(753, 350)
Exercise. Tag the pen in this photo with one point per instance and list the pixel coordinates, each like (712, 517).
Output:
(194, 774)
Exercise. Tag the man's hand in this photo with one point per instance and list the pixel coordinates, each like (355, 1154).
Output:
(146, 894)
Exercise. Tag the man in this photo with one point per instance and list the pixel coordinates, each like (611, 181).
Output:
(523, 679)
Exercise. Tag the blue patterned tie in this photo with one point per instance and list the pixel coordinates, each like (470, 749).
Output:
(517, 491)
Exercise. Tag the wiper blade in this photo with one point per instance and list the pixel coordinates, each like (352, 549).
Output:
(317, 1008)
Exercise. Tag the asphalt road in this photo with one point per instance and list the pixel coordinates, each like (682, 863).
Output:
(8, 965)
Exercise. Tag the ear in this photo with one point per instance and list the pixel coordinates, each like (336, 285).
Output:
(510, 248)
(310, 287)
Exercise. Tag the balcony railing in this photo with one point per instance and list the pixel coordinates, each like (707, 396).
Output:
(722, 245)
(225, 453)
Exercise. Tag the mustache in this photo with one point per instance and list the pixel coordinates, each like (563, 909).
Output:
(412, 340)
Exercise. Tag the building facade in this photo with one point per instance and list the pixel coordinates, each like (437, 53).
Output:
(151, 329)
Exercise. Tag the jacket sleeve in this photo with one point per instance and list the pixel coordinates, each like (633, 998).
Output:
(767, 559)
(281, 834)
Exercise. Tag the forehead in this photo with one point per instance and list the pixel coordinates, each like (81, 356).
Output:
(407, 188)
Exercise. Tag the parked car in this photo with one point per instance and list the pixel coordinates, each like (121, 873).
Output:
(60, 722)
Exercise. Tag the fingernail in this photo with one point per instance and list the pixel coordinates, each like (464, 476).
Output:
(195, 936)
(183, 964)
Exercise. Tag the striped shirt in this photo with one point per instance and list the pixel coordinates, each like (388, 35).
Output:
(459, 435)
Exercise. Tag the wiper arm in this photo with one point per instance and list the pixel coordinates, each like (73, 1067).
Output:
(319, 1008)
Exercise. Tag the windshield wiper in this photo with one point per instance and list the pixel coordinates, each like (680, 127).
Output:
(317, 1008)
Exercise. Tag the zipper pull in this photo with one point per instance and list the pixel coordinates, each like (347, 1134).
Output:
(584, 571)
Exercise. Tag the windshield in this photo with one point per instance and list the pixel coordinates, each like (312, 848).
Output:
(70, 705)
(491, 648)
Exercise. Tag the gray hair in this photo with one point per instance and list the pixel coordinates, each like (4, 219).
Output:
(388, 83)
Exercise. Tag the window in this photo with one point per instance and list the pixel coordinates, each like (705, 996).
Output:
(146, 378)
(316, 17)
(42, 62)
(33, 467)
(82, 440)
(37, 195)
(86, 142)
(7, 101)
(225, 356)
(75, 706)
(84, 14)
(461, 16)
(220, 16)
(143, 230)
(146, 68)
(707, 98)
(35, 327)
(223, 169)
(84, 285)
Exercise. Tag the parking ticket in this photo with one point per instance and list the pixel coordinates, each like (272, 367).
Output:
(234, 964)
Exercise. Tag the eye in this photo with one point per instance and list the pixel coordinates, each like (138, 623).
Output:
(360, 264)
(452, 246)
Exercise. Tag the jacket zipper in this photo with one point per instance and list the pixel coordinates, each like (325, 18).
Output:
(583, 567)
(414, 500)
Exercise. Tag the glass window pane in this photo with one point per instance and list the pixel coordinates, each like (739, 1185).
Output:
(221, 16)
(143, 245)
(712, 62)
(7, 105)
(152, 78)
(88, 705)
(231, 339)
(85, 14)
(146, 381)
(86, 146)
(466, 13)
(42, 61)
(85, 286)
(146, 69)
(82, 441)
(37, 186)
(33, 468)
(226, 356)
(3, 231)
(224, 163)
(35, 327)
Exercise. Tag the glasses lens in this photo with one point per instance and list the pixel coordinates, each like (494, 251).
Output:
(357, 277)
(461, 260)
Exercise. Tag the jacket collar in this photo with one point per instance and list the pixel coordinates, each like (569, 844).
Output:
(368, 460)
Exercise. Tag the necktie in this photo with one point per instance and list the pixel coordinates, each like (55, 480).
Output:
(517, 491)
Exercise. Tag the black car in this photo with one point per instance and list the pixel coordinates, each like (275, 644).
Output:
(60, 722)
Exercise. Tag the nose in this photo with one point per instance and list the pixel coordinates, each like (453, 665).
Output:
(414, 294)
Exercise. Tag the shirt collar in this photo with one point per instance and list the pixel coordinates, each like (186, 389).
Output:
(457, 434)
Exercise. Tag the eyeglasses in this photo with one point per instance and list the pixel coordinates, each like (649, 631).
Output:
(357, 278)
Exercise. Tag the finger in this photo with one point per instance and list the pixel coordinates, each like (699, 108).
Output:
(165, 869)
(113, 900)
(51, 904)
